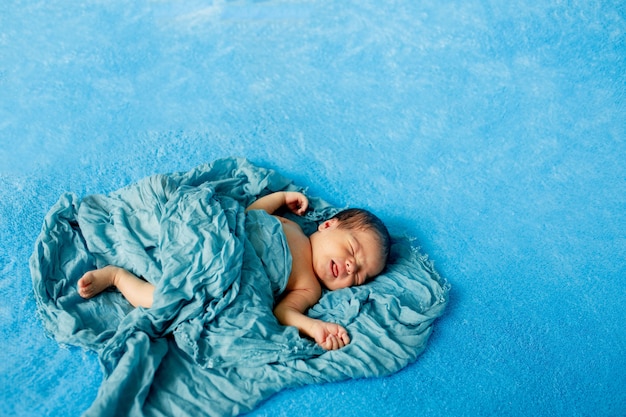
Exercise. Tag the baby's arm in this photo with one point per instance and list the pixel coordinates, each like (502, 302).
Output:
(297, 202)
(290, 312)
(303, 291)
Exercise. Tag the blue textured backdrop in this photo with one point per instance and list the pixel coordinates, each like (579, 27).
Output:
(494, 132)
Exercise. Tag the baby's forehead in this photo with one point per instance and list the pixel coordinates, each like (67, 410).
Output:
(369, 238)
(373, 253)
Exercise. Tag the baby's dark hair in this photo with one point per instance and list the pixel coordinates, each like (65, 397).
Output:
(360, 219)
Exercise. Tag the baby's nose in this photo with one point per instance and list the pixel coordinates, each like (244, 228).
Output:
(349, 266)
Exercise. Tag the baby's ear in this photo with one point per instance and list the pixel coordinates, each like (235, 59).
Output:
(328, 224)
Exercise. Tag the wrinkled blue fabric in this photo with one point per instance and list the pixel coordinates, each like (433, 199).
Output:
(210, 344)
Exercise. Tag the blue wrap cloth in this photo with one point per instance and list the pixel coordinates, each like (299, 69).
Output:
(210, 344)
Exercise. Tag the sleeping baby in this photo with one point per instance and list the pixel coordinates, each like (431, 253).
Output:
(348, 249)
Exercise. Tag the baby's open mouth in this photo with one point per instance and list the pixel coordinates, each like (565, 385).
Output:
(334, 269)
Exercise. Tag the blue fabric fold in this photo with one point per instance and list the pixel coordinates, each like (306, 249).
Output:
(210, 344)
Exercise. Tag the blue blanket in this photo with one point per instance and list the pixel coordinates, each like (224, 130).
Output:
(210, 344)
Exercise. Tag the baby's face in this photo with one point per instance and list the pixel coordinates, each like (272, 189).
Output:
(343, 258)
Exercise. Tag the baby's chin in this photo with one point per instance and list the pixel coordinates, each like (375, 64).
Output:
(325, 285)
(322, 282)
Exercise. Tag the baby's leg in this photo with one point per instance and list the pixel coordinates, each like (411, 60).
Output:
(137, 291)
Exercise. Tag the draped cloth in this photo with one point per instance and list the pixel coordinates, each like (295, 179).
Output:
(210, 344)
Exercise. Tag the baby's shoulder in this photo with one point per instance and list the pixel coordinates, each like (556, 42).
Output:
(286, 221)
(302, 276)
(294, 233)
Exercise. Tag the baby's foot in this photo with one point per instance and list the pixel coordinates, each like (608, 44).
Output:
(94, 282)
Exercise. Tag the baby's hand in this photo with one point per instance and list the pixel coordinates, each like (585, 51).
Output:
(296, 202)
(330, 336)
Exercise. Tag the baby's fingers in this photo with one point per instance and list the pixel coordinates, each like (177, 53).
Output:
(303, 204)
(332, 343)
(345, 339)
(297, 202)
(342, 334)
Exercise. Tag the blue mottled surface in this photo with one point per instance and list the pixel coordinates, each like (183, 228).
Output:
(493, 132)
